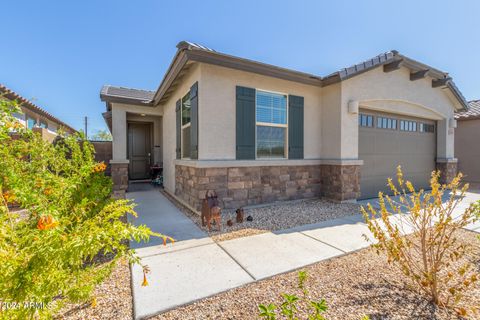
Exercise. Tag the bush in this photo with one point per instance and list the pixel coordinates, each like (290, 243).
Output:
(432, 257)
(49, 248)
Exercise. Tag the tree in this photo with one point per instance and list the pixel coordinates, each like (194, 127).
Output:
(101, 135)
(49, 248)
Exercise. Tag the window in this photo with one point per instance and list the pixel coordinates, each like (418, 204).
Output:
(186, 124)
(406, 125)
(43, 124)
(31, 123)
(426, 127)
(386, 123)
(365, 120)
(271, 124)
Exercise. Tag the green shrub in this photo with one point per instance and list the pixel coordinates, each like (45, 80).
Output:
(291, 303)
(431, 256)
(48, 249)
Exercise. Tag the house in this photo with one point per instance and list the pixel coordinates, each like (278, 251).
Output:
(257, 133)
(34, 117)
(467, 142)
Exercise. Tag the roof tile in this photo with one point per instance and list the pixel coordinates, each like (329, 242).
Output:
(12, 95)
(472, 112)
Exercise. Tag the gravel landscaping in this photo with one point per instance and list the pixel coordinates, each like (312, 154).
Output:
(273, 217)
(113, 297)
(354, 285)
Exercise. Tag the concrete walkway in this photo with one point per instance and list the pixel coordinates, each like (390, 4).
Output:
(195, 267)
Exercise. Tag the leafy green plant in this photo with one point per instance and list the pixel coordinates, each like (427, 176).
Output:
(432, 256)
(57, 217)
(267, 311)
(476, 209)
(289, 308)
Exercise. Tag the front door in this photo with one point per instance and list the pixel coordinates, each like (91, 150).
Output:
(139, 150)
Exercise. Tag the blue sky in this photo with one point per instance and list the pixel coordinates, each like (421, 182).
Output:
(60, 53)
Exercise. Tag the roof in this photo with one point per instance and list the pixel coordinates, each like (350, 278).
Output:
(395, 59)
(122, 94)
(27, 104)
(472, 113)
(189, 51)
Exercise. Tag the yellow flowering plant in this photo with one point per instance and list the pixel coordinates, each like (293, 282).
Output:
(418, 232)
(56, 217)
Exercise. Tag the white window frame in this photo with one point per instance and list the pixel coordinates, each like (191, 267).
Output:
(268, 124)
(184, 126)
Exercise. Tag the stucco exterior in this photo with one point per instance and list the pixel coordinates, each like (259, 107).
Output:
(217, 105)
(330, 128)
(467, 149)
(169, 130)
(394, 92)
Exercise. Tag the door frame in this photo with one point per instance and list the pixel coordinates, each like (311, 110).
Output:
(150, 129)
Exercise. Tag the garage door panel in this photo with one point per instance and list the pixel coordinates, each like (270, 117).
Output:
(382, 150)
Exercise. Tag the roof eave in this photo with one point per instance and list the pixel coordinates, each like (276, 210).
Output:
(188, 53)
(27, 104)
(127, 100)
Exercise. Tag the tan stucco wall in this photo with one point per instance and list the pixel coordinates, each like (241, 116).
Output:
(119, 125)
(330, 119)
(394, 92)
(331, 132)
(217, 105)
(467, 149)
(169, 126)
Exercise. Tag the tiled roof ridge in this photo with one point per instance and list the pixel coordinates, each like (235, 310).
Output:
(12, 95)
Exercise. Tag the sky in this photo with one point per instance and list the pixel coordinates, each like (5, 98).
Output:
(60, 53)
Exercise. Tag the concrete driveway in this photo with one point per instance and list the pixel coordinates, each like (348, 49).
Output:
(472, 195)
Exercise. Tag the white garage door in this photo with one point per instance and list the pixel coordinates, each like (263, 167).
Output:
(388, 140)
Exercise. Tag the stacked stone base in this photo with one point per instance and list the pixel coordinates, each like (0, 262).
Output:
(448, 170)
(241, 186)
(119, 173)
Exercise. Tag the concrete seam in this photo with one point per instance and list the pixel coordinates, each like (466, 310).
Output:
(328, 244)
(182, 249)
(241, 266)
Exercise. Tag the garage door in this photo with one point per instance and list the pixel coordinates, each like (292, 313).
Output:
(388, 140)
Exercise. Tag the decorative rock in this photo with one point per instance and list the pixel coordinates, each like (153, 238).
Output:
(249, 218)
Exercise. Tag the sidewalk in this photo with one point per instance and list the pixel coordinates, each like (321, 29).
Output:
(196, 267)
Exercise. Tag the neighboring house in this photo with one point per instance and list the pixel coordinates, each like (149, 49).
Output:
(34, 117)
(467, 142)
(258, 133)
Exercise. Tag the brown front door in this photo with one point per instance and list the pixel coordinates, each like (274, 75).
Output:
(139, 150)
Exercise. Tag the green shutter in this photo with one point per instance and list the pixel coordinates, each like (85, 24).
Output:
(178, 114)
(245, 123)
(194, 121)
(295, 127)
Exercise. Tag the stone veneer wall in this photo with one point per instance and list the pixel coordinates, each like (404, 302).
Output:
(119, 172)
(448, 171)
(241, 186)
(340, 182)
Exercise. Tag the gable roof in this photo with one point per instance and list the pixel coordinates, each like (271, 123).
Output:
(189, 51)
(472, 113)
(395, 60)
(27, 104)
